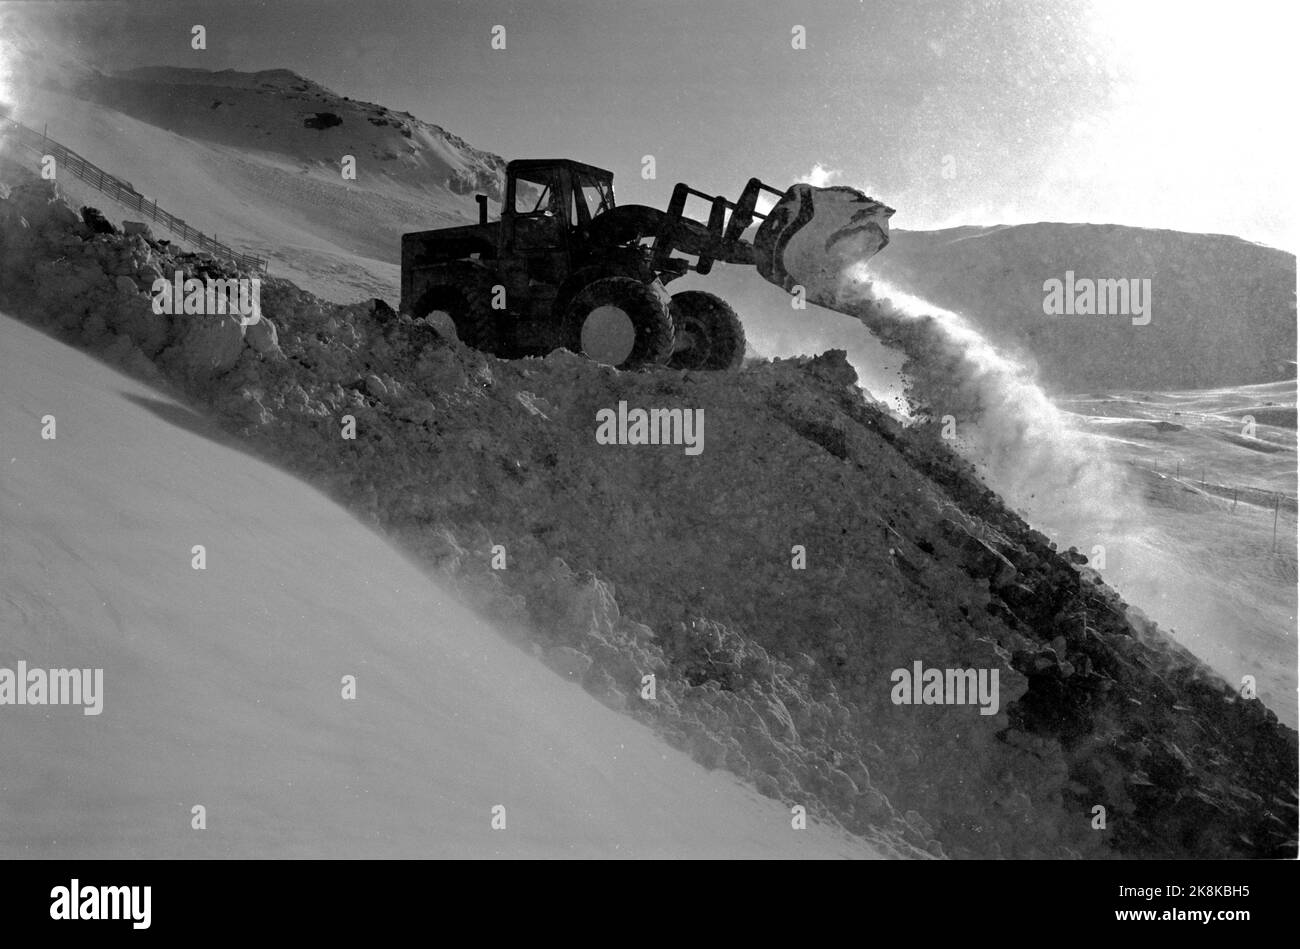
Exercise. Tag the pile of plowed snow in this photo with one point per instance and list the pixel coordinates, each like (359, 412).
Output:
(224, 688)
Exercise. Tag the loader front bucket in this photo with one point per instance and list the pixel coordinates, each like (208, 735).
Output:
(812, 234)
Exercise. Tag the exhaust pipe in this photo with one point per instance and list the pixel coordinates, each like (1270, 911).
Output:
(482, 207)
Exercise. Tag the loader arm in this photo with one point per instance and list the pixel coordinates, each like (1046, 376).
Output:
(719, 239)
(806, 238)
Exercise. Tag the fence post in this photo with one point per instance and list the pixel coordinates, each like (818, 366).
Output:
(1276, 499)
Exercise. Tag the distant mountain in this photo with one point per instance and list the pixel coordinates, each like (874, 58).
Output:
(1223, 309)
(278, 111)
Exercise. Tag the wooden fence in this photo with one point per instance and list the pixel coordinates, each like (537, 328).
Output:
(124, 193)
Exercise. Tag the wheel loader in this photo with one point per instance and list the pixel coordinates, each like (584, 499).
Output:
(565, 267)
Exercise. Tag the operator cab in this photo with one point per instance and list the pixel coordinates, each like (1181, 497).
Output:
(570, 192)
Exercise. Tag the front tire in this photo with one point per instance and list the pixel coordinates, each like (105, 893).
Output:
(646, 306)
(467, 304)
(709, 334)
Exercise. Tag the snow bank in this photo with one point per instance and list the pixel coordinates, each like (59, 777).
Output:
(224, 688)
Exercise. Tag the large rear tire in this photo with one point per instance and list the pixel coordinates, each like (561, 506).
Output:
(468, 305)
(709, 334)
(646, 306)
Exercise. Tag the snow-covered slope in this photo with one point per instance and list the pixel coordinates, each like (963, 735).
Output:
(778, 674)
(278, 111)
(257, 159)
(223, 686)
(330, 234)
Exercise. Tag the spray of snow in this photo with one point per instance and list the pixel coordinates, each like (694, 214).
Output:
(1059, 477)
(1000, 418)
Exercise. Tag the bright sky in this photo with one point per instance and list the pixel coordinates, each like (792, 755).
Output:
(1177, 115)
